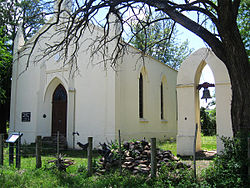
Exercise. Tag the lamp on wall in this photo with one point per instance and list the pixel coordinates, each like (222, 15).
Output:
(206, 93)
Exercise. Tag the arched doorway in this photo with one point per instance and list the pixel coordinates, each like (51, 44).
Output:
(189, 102)
(59, 111)
(208, 111)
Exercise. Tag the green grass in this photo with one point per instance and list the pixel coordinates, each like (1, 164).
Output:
(76, 175)
(208, 143)
(29, 176)
(168, 145)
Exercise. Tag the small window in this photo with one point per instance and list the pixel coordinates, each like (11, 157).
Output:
(141, 96)
(162, 102)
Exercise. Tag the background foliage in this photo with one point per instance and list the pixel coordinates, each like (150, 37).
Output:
(208, 121)
(159, 40)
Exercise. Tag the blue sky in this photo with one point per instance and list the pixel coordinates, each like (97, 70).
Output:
(195, 42)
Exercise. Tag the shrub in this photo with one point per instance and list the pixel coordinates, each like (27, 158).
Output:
(171, 176)
(229, 168)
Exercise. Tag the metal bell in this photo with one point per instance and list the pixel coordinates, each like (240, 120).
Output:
(206, 94)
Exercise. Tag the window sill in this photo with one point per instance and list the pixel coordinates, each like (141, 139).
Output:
(142, 120)
(164, 121)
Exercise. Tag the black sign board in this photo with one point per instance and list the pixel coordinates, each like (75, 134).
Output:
(26, 116)
(13, 137)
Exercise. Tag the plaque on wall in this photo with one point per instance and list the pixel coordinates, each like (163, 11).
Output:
(26, 116)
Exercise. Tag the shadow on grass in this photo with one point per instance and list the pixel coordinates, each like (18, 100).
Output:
(201, 155)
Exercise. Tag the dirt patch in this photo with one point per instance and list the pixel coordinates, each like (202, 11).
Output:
(205, 155)
(203, 160)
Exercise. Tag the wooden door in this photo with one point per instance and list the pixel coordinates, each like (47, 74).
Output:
(59, 111)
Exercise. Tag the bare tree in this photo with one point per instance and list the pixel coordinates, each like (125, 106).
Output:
(224, 37)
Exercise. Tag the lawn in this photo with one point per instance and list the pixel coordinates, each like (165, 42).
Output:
(208, 143)
(76, 175)
(168, 145)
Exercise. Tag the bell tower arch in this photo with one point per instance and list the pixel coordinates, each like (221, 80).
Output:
(189, 103)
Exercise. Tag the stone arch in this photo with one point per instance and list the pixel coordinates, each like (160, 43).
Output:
(51, 86)
(47, 100)
(189, 103)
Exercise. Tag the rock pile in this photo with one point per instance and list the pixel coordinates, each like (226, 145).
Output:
(135, 157)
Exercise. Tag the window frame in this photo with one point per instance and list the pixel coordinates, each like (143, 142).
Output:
(141, 96)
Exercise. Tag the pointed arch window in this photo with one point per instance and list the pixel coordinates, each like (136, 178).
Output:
(162, 101)
(141, 96)
(60, 93)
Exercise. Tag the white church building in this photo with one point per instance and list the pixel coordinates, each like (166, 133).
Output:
(139, 98)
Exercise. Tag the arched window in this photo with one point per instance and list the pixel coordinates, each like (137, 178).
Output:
(60, 94)
(162, 101)
(141, 96)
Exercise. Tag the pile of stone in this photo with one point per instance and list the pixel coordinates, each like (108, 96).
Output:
(135, 157)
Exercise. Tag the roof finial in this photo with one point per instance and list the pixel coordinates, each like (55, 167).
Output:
(19, 39)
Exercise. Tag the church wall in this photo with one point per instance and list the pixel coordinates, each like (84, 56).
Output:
(151, 125)
(24, 99)
(95, 106)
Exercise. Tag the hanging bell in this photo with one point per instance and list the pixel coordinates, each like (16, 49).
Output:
(206, 94)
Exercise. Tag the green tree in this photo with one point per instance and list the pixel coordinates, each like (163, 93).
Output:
(208, 122)
(5, 82)
(158, 39)
(31, 15)
(243, 21)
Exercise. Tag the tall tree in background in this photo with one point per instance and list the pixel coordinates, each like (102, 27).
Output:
(243, 21)
(5, 82)
(31, 15)
(159, 40)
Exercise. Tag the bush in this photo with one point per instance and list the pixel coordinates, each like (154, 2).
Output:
(229, 168)
(171, 176)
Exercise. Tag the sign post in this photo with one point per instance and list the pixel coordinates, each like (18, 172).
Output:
(14, 138)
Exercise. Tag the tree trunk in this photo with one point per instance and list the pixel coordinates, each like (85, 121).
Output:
(237, 63)
(239, 72)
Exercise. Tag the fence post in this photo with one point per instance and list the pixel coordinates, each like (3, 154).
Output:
(248, 157)
(120, 153)
(90, 145)
(194, 149)
(153, 157)
(38, 151)
(58, 143)
(1, 148)
(18, 154)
